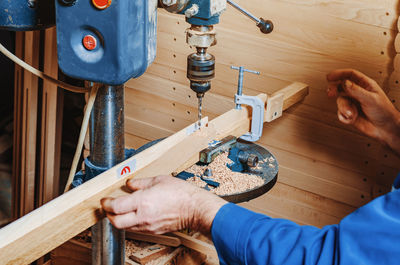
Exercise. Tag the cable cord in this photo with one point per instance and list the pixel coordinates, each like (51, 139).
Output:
(82, 134)
(40, 74)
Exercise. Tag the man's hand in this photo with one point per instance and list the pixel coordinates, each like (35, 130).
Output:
(163, 204)
(362, 103)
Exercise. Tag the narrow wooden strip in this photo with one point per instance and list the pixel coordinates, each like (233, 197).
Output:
(196, 244)
(49, 155)
(158, 239)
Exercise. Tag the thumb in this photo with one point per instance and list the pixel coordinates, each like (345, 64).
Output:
(355, 91)
(141, 184)
(347, 110)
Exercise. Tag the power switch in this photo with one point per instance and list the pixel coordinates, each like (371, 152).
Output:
(101, 4)
(89, 42)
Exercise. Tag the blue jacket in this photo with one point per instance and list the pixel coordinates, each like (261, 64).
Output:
(370, 235)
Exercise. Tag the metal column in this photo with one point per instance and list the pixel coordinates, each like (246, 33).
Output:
(107, 148)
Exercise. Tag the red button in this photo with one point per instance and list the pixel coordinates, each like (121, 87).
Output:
(101, 4)
(89, 42)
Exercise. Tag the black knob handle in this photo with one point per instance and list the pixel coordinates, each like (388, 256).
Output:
(266, 26)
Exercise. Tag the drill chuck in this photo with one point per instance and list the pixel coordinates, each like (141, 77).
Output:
(200, 71)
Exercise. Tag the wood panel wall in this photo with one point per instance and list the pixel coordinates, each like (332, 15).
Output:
(326, 169)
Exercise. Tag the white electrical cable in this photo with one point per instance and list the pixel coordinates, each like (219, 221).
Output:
(82, 134)
(40, 74)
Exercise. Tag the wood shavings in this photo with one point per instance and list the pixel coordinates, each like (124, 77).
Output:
(230, 182)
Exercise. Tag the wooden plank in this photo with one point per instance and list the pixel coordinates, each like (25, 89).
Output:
(57, 221)
(158, 239)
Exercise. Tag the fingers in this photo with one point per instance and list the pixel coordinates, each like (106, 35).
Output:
(353, 75)
(120, 205)
(123, 221)
(141, 184)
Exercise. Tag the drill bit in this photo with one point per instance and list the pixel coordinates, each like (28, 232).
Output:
(200, 98)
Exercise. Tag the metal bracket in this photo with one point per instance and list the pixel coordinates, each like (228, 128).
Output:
(274, 107)
(257, 119)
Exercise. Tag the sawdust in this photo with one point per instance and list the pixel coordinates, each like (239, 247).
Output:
(230, 182)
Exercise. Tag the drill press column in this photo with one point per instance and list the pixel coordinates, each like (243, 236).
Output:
(107, 148)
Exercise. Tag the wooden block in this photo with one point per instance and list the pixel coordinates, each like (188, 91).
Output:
(150, 253)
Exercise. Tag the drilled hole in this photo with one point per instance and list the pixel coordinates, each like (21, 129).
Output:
(382, 173)
(368, 145)
(397, 81)
(174, 72)
(380, 72)
(385, 155)
(365, 179)
(385, 33)
(189, 96)
(362, 196)
(366, 162)
(174, 39)
(387, 13)
(382, 52)
(174, 88)
(188, 112)
(173, 120)
(393, 101)
(173, 104)
(174, 55)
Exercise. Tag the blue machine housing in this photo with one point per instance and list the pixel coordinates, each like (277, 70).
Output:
(126, 36)
(26, 15)
(205, 16)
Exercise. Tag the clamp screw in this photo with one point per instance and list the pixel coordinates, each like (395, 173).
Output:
(240, 81)
(250, 160)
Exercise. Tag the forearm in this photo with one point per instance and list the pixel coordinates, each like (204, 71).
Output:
(244, 237)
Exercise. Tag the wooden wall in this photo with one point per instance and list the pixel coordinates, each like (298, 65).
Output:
(326, 169)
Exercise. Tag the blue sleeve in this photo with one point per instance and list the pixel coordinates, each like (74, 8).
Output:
(370, 235)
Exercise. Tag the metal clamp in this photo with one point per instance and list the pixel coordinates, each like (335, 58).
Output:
(255, 102)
